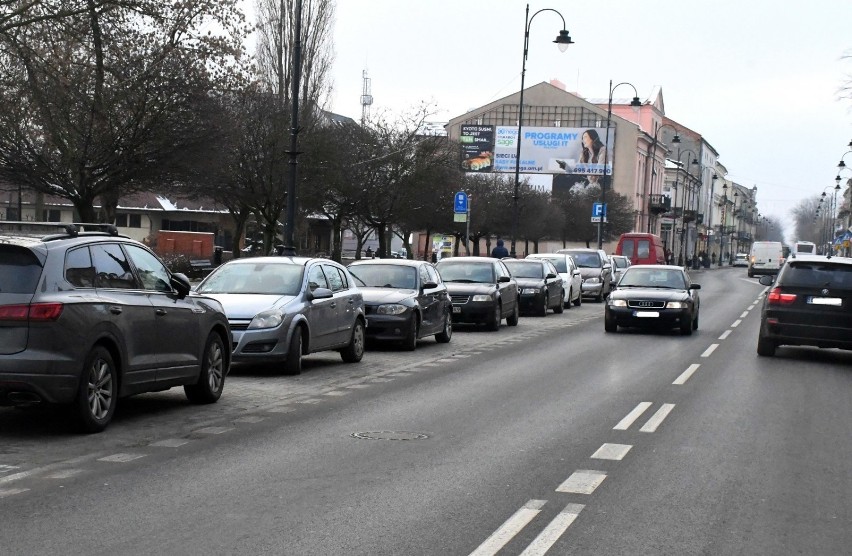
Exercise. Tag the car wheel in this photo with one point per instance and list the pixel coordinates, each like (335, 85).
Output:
(765, 346)
(410, 341)
(512, 320)
(599, 297)
(293, 363)
(98, 391)
(542, 311)
(355, 350)
(609, 324)
(494, 321)
(211, 381)
(560, 308)
(686, 327)
(695, 322)
(446, 334)
(579, 300)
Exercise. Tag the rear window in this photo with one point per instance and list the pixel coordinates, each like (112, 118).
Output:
(522, 269)
(627, 247)
(559, 262)
(817, 275)
(586, 259)
(19, 270)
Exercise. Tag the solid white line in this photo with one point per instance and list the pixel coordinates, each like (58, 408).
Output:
(657, 419)
(736, 323)
(709, 350)
(612, 451)
(509, 529)
(583, 481)
(686, 374)
(637, 412)
(725, 334)
(744, 315)
(553, 531)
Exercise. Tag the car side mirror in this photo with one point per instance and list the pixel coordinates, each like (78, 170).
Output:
(181, 284)
(695, 286)
(504, 279)
(607, 266)
(767, 280)
(576, 273)
(429, 285)
(551, 275)
(321, 293)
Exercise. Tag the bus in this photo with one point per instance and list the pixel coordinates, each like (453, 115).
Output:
(804, 247)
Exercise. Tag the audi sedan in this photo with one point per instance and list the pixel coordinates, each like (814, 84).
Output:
(403, 300)
(653, 296)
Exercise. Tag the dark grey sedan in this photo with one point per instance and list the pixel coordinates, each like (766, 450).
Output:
(539, 283)
(482, 289)
(403, 300)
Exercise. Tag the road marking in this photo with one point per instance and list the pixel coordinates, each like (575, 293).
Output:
(381, 380)
(7, 468)
(64, 474)
(657, 418)
(11, 491)
(612, 451)
(281, 409)
(750, 307)
(50, 467)
(709, 350)
(725, 334)
(121, 458)
(736, 323)
(462, 355)
(637, 412)
(357, 386)
(445, 360)
(310, 401)
(686, 374)
(744, 315)
(170, 443)
(553, 531)
(584, 481)
(509, 529)
(335, 393)
(249, 419)
(213, 430)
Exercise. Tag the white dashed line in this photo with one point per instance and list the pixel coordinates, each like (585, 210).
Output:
(725, 334)
(750, 307)
(335, 393)
(11, 491)
(736, 323)
(657, 419)
(631, 417)
(357, 386)
(584, 481)
(310, 401)
(64, 474)
(381, 380)
(281, 410)
(250, 419)
(686, 374)
(744, 315)
(553, 531)
(614, 452)
(51, 467)
(213, 430)
(121, 458)
(170, 443)
(509, 529)
(709, 350)
(7, 468)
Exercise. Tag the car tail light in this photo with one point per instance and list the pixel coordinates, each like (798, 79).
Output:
(39, 312)
(777, 298)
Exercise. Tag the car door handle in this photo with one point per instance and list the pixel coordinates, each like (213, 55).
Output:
(115, 310)
(160, 312)
(351, 302)
(333, 305)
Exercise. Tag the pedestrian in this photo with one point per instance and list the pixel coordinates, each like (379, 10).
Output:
(434, 256)
(369, 252)
(499, 251)
(713, 257)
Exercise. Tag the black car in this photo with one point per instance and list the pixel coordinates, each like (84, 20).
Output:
(653, 296)
(88, 317)
(539, 283)
(809, 304)
(403, 300)
(482, 290)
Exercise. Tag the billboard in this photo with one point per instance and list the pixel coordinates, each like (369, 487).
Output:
(544, 150)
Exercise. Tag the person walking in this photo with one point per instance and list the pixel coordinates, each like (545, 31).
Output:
(499, 251)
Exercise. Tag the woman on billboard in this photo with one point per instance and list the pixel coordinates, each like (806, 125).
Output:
(594, 151)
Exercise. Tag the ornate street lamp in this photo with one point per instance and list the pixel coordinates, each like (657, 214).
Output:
(562, 41)
(723, 225)
(290, 221)
(647, 190)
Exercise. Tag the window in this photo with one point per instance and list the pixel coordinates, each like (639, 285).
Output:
(78, 268)
(424, 275)
(112, 269)
(52, 215)
(134, 221)
(121, 220)
(316, 278)
(644, 250)
(433, 274)
(152, 273)
(334, 278)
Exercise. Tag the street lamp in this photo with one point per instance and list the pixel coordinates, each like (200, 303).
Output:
(562, 41)
(607, 175)
(683, 200)
(734, 229)
(290, 221)
(652, 171)
(723, 225)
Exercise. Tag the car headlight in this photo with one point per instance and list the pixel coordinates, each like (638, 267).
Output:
(676, 305)
(595, 280)
(530, 291)
(618, 303)
(481, 298)
(391, 309)
(266, 319)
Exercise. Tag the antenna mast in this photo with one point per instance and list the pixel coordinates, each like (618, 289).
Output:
(366, 99)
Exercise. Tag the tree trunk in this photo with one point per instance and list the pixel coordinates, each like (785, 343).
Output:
(427, 244)
(337, 239)
(381, 231)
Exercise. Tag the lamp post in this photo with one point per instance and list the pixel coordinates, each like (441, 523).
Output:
(650, 170)
(290, 221)
(562, 41)
(607, 174)
(734, 227)
(723, 225)
(683, 199)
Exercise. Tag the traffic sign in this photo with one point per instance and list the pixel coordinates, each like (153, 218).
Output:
(598, 212)
(460, 203)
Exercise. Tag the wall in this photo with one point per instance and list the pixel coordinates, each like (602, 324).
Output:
(195, 245)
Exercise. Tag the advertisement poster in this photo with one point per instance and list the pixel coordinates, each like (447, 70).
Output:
(477, 143)
(554, 150)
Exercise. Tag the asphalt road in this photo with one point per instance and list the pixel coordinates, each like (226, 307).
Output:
(549, 437)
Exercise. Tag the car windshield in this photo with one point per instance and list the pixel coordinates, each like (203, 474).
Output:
(558, 262)
(255, 278)
(652, 278)
(466, 272)
(522, 269)
(818, 275)
(587, 260)
(19, 270)
(384, 276)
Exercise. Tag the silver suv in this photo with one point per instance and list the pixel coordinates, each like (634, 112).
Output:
(88, 317)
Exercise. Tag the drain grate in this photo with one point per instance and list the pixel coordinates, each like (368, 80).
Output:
(389, 435)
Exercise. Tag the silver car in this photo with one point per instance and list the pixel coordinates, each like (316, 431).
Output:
(572, 281)
(280, 308)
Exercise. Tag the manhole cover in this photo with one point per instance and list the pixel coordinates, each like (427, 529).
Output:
(389, 435)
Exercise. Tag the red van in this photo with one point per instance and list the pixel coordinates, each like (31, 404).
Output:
(641, 248)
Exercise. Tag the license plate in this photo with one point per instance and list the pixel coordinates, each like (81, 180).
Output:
(646, 314)
(456, 309)
(835, 301)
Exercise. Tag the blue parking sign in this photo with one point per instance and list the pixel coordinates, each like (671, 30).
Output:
(598, 212)
(460, 203)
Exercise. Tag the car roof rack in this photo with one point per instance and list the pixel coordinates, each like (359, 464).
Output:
(72, 229)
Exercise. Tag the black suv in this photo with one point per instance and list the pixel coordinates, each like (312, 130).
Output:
(87, 317)
(809, 304)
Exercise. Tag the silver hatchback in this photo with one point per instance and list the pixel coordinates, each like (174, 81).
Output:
(280, 308)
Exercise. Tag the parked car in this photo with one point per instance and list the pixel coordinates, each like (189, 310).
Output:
(572, 280)
(403, 301)
(482, 290)
(281, 308)
(661, 296)
(641, 248)
(807, 305)
(596, 271)
(619, 263)
(88, 317)
(766, 257)
(741, 259)
(539, 283)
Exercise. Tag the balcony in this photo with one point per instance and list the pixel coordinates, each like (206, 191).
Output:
(659, 204)
(689, 215)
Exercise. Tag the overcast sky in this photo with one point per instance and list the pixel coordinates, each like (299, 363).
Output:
(759, 79)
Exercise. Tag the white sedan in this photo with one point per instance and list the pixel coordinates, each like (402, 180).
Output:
(572, 282)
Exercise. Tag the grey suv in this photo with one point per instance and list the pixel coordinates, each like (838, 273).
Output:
(88, 317)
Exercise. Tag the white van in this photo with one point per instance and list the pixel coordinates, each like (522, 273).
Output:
(766, 257)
